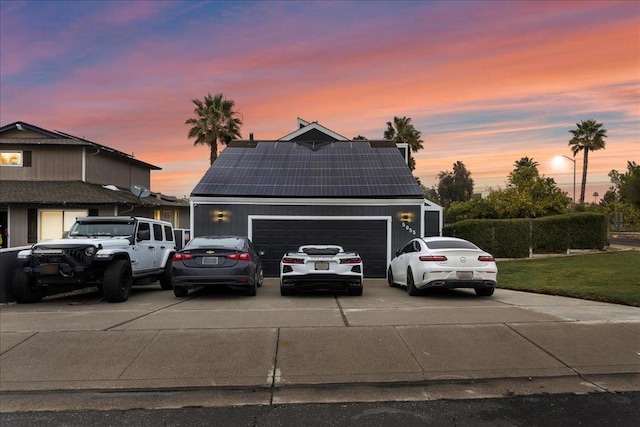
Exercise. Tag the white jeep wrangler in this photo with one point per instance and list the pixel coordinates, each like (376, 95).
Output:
(108, 252)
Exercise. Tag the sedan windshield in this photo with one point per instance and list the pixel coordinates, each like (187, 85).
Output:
(450, 244)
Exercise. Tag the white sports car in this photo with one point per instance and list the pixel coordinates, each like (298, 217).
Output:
(443, 262)
(321, 267)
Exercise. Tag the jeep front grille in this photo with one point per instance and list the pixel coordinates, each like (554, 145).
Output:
(69, 256)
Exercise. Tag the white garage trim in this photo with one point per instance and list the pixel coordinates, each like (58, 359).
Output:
(324, 218)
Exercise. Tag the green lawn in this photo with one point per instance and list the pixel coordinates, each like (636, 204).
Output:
(607, 276)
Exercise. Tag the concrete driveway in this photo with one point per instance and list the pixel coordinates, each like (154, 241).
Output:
(221, 347)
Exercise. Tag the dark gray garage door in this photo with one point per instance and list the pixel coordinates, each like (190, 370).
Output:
(367, 237)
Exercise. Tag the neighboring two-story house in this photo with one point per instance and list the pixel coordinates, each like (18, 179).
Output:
(48, 178)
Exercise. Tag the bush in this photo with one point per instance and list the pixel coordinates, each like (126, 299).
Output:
(515, 238)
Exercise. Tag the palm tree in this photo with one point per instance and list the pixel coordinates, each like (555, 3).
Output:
(587, 136)
(526, 162)
(215, 122)
(525, 172)
(401, 130)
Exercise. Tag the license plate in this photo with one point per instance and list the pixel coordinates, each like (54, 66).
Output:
(322, 265)
(210, 260)
(49, 269)
(464, 275)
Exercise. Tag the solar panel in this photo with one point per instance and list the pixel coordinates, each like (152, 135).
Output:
(290, 169)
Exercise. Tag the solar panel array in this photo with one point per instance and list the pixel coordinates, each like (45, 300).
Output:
(290, 169)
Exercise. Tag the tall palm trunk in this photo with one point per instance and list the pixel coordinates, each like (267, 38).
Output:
(213, 145)
(583, 186)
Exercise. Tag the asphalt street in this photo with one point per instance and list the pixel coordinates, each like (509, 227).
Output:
(619, 409)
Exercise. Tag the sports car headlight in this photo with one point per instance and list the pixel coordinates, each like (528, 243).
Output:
(90, 251)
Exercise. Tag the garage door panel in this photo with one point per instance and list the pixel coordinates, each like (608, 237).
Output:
(367, 237)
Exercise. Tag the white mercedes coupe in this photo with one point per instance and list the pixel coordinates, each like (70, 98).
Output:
(443, 262)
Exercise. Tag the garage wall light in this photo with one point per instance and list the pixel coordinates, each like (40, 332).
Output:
(406, 217)
(220, 216)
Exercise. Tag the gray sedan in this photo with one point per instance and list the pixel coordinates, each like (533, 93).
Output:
(229, 261)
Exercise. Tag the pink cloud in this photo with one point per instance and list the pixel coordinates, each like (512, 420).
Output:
(352, 78)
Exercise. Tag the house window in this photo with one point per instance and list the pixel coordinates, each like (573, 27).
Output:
(11, 158)
(53, 224)
(15, 158)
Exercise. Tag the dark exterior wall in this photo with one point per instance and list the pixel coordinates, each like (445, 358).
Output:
(313, 135)
(431, 223)
(235, 217)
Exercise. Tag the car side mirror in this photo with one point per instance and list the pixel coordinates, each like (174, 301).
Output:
(398, 252)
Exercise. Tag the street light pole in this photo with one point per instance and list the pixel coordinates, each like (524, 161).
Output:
(574, 176)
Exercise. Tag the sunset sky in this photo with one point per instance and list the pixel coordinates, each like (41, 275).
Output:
(485, 82)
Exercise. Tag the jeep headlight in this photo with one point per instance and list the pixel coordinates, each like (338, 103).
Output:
(90, 251)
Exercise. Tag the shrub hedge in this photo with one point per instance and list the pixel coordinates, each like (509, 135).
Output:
(517, 238)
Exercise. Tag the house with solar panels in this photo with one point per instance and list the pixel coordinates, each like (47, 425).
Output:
(314, 186)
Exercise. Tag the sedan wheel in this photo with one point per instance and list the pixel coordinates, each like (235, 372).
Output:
(260, 278)
(251, 290)
(484, 292)
(390, 278)
(411, 286)
(180, 291)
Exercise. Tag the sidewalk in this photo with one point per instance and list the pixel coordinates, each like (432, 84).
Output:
(223, 348)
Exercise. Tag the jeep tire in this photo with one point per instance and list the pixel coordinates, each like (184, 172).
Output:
(24, 288)
(166, 280)
(117, 281)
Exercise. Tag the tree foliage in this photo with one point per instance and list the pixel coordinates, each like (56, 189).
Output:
(402, 130)
(525, 173)
(455, 186)
(623, 196)
(627, 185)
(215, 122)
(588, 135)
(529, 196)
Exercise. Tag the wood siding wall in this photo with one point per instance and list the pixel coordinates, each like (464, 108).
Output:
(48, 163)
(56, 163)
(104, 169)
